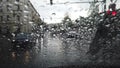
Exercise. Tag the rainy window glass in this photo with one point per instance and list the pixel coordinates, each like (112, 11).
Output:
(8, 17)
(17, 0)
(59, 33)
(7, 0)
(18, 7)
(18, 17)
(1, 9)
(7, 7)
(1, 18)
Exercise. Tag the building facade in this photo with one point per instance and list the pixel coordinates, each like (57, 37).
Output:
(16, 14)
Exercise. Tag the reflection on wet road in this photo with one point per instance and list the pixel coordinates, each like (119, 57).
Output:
(51, 52)
(58, 52)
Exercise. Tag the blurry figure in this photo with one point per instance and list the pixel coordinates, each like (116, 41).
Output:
(51, 2)
(112, 8)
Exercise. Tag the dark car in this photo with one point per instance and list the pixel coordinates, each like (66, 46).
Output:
(23, 40)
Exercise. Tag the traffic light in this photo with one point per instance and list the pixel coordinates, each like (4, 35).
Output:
(114, 13)
(51, 2)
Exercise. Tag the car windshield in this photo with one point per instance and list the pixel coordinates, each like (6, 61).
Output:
(59, 33)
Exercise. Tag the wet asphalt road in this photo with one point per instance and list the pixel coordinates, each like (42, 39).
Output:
(51, 52)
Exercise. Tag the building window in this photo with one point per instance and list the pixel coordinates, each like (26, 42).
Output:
(18, 7)
(1, 9)
(14, 14)
(0, 0)
(8, 18)
(1, 18)
(8, 7)
(7, 0)
(18, 17)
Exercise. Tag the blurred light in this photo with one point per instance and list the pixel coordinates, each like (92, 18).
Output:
(27, 57)
(114, 13)
(13, 56)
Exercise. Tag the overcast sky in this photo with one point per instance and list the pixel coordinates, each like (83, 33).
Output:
(56, 12)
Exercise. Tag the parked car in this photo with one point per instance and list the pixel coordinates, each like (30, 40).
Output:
(23, 40)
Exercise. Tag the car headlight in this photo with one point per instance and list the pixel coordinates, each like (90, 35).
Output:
(26, 40)
(13, 40)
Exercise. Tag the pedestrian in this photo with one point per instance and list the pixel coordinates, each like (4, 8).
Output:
(111, 7)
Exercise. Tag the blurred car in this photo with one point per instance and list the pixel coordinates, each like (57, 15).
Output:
(72, 34)
(23, 40)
